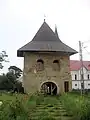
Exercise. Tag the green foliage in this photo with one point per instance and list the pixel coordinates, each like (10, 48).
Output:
(76, 105)
(39, 107)
(13, 111)
(5, 83)
(3, 56)
(8, 82)
(17, 71)
(11, 77)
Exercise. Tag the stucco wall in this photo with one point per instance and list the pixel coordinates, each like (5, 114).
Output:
(33, 80)
(76, 84)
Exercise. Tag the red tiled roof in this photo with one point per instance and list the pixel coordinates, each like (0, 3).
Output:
(76, 65)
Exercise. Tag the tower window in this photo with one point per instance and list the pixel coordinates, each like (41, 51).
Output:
(75, 84)
(40, 65)
(56, 65)
(75, 77)
(88, 77)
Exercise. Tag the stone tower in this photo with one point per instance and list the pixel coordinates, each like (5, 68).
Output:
(46, 63)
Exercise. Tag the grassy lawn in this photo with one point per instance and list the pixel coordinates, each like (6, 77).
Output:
(9, 97)
(69, 106)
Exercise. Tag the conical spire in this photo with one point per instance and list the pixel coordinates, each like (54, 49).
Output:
(46, 40)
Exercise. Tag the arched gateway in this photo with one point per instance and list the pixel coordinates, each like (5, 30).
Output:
(49, 88)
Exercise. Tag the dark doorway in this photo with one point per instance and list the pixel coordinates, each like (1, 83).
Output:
(49, 88)
(66, 86)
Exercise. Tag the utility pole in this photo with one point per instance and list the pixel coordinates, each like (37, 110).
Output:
(81, 70)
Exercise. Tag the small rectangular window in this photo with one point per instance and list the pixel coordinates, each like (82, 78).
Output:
(75, 84)
(89, 84)
(82, 77)
(82, 85)
(88, 76)
(75, 77)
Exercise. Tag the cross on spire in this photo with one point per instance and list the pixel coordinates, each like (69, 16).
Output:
(44, 17)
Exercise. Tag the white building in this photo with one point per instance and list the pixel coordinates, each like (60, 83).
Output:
(75, 67)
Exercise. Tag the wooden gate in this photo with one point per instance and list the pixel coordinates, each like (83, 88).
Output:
(49, 88)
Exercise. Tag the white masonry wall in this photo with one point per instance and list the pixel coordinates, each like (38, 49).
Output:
(76, 84)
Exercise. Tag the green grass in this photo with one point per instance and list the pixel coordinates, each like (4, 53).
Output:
(69, 106)
(9, 96)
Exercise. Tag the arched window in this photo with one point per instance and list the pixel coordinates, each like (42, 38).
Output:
(40, 65)
(88, 76)
(75, 77)
(56, 65)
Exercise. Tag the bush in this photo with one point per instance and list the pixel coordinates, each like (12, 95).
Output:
(13, 111)
(78, 106)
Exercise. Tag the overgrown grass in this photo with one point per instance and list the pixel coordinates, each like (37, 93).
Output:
(76, 105)
(25, 107)
(9, 96)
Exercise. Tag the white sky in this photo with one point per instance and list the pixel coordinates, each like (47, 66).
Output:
(20, 20)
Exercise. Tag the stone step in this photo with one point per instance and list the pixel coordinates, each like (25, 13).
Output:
(51, 110)
(56, 111)
(55, 107)
(62, 118)
(55, 118)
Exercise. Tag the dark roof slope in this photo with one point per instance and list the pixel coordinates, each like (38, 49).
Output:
(45, 40)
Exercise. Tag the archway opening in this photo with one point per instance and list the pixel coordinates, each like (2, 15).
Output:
(49, 88)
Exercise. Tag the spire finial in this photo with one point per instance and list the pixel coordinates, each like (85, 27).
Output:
(44, 17)
(56, 30)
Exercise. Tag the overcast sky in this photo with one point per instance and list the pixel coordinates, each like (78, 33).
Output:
(20, 20)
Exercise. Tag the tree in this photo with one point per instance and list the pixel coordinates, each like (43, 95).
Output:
(9, 81)
(5, 83)
(17, 71)
(13, 74)
(12, 79)
(3, 56)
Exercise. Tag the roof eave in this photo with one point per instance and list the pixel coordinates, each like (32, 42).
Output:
(20, 53)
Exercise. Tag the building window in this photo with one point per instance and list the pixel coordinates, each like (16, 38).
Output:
(75, 77)
(89, 84)
(56, 65)
(75, 84)
(88, 76)
(82, 85)
(82, 77)
(40, 65)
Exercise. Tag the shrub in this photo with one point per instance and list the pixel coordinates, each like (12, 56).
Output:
(78, 106)
(13, 111)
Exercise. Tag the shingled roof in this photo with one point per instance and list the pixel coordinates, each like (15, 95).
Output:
(45, 40)
(76, 65)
